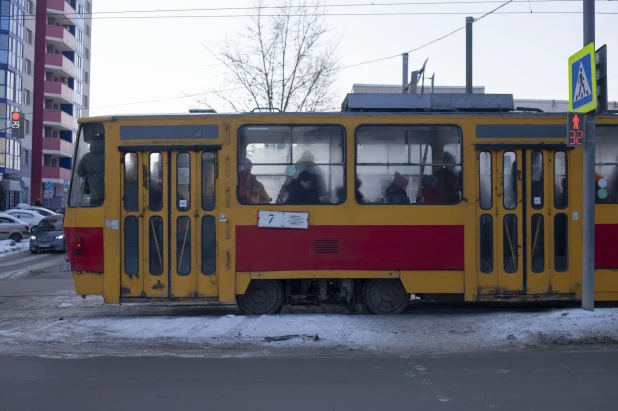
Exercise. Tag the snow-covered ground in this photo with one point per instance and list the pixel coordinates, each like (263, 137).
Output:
(9, 247)
(72, 327)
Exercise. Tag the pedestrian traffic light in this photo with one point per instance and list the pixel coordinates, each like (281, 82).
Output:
(17, 125)
(601, 68)
(575, 127)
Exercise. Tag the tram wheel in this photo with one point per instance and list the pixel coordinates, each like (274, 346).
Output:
(385, 296)
(262, 297)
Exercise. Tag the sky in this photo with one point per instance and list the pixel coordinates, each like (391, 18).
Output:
(161, 65)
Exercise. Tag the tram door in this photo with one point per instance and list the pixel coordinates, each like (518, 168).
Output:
(523, 222)
(168, 224)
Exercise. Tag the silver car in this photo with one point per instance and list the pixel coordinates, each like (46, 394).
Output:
(13, 229)
(48, 235)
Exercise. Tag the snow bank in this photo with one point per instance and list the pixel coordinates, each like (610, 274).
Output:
(9, 247)
(128, 334)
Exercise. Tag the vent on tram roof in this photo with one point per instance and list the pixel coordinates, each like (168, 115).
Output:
(326, 246)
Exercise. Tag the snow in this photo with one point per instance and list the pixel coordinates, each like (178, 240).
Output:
(84, 328)
(9, 247)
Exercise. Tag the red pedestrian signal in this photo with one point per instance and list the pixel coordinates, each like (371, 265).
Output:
(575, 129)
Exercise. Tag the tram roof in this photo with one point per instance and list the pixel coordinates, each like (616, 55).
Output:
(387, 104)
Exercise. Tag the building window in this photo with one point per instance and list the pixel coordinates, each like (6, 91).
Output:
(24, 157)
(27, 97)
(86, 102)
(87, 53)
(86, 77)
(416, 164)
(88, 7)
(26, 126)
(28, 67)
(30, 7)
(28, 36)
(87, 30)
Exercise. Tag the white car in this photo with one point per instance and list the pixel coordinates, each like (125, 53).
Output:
(32, 218)
(41, 210)
(13, 229)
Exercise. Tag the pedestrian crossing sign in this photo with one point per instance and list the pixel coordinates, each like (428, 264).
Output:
(583, 81)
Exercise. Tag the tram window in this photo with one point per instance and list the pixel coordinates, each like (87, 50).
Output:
(606, 161)
(487, 243)
(131, 245)
(183, 245)
(155, 245)
(209, 245)
(485, 180)
(561, 241)
(155, 187)
(408, 164)
(509, 181)
(183, 181)
(291, 165)
(537, 241)
(509, 243)
(208, 181)
(537, 177)
(561, 198)
(130, 182)
(88, 178)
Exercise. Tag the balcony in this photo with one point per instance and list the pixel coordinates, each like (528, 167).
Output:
(58, 119)
(62, 11)
(59, 65)
(56, 174)
(60, 37)
(57, 147)
(59, 91)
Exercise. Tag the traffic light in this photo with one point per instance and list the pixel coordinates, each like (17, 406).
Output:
(601, 68)
(17, 125)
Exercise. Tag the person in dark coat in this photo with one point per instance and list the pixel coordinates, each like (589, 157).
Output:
(396, 191)
(303, 190)
(37, 203)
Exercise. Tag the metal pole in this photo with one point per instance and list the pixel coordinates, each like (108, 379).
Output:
(405, 73)
(589, 180)
(469, 21)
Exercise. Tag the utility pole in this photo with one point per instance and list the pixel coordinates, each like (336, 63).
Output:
(404, 81)
(589, 180)
(469, 21)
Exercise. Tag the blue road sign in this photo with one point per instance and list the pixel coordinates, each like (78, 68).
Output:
(22, 184)
(48, 185)
(582, 81)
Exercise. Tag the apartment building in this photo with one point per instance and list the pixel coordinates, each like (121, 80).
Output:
(45, 68)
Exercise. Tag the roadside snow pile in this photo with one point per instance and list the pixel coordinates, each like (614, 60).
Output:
(130, 334)
(8, 247)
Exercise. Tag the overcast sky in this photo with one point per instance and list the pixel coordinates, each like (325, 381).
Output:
(138, 60)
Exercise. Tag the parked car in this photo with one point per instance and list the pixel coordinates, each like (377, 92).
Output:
(48, 236)
(13, 229)
(41, 210)
(27, 216)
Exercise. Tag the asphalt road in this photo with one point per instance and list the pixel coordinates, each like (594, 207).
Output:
(522, 381)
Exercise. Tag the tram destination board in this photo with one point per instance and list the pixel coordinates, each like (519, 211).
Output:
(576, 136)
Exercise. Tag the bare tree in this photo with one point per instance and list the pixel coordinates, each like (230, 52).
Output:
(284, 60)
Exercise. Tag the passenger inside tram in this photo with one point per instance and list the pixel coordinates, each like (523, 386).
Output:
(304, 189)
(91, 169)
(306, 164)
(396, 193)
(250, 190)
